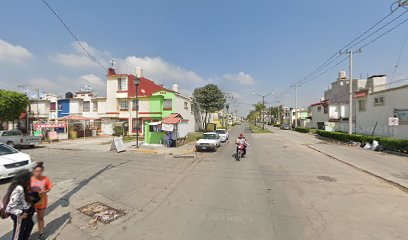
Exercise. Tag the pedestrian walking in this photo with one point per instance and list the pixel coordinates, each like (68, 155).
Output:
(42, 185)
(20, 206)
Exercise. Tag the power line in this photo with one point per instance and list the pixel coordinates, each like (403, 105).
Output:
(312, 76)
(379, 29)
(399, 56)
(336, 54)
(74, 36)
(383, 34)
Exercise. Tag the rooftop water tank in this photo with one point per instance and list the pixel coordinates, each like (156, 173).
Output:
(69, 95)
(175, 88)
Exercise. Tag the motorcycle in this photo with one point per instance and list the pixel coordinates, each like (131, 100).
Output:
(240, 152)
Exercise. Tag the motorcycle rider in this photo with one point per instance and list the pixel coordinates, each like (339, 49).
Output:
(241, 140)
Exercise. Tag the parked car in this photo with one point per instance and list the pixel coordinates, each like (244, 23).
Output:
(16, 138)
(224, 136)
(285, 126)
(209, 141)
(13, 161)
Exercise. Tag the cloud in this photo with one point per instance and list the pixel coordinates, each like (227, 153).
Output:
(241, 78)
(10, 53)
(61, 84)
(80, 59)
(158, 70)
(92, 80)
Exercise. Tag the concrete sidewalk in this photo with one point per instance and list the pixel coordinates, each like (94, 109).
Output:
(389, 167)
(386, 166)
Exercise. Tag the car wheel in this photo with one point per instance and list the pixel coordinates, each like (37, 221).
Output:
(31, 146)
(215, 149)
(10, 143)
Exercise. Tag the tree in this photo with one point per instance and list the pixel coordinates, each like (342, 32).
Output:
(276, 113)
(210, 99)
(12, 104)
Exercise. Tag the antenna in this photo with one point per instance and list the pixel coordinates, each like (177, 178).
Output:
(112, 63)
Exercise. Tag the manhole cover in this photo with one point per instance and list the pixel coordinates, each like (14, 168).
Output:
(327, 178)
(101, 212)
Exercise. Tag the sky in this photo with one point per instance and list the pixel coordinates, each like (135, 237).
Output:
(260, 46)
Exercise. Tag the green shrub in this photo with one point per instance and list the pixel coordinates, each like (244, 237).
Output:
(302, 130)
(393, 144)
(117, 131)
(277, 125)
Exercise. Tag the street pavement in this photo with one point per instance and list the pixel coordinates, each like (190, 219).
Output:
(284, 189)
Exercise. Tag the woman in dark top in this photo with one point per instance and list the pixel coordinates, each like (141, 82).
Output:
(20, 207)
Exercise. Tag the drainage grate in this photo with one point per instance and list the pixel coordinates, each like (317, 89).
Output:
(101, 212)
(327, 178)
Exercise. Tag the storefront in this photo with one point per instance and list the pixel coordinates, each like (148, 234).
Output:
(167, 131)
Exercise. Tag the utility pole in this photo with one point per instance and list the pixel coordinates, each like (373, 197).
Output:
(350, 53)
(296, 85)
(263, 107)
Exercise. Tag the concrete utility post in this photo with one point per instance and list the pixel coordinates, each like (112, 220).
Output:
(296, 85)
(350, 53)
(263, 107)
(137, 82)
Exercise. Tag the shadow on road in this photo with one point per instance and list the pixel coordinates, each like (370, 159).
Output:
(53, 226)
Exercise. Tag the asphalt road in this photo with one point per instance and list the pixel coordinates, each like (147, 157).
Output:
(282, 190)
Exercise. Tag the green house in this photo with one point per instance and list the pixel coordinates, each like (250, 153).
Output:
(161, 105)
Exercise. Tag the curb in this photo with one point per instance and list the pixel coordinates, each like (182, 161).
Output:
(395, 184)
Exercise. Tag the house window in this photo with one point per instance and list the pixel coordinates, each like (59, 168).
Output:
(95, 106)
(379, 101)
(122, 84)
(53, 106)
(361, 105)
(124, 105)
(319, 109)
(186, 105)
(167, 104)
(134, 125)
(402, 114)
(326, 109)
(86, 106)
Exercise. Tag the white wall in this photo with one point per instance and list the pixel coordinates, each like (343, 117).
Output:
(111, 101)
(40, 108)
(375, 118)
(75, 107)
(185, 112)
(317, 116)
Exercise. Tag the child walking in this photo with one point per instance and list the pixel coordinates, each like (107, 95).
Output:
(42, 185)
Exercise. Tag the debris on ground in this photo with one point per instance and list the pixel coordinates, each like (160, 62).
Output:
(101, 213)
(353, 143)
(367, 146)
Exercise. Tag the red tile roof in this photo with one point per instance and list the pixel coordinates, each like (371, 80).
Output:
(172, 119)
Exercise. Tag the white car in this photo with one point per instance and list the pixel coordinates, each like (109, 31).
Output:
(209, 141)
(223, 134)
(13, 161)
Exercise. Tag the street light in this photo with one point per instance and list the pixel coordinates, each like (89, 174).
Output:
(263, 106)
(137, 82)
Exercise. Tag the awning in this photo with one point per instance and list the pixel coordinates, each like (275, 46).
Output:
(154, 123)
(49, 125)
(79, 118)
(361, 94)
(173, 118)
